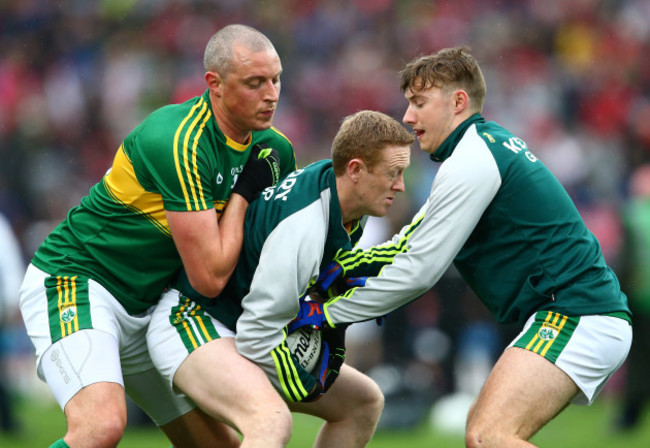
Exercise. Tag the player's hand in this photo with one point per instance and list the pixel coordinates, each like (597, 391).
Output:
(327, 277)
(352, 282)
(330, 362)
(311, 313)
(334, 340)
(262, 170)
(321, 371)
(332, 281)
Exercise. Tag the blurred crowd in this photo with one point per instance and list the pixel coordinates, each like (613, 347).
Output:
(572, 78)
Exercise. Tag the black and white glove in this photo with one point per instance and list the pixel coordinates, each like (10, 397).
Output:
(262, 170)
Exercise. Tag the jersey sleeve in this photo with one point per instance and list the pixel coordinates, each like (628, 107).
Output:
(415, 259)
(175, 158)
(292, 253)
(369, 262)
(186, 186)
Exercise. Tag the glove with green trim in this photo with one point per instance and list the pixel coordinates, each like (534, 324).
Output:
(262, 170)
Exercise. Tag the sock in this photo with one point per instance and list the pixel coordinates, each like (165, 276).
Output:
(59, 444)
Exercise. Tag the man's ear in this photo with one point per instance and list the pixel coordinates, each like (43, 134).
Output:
(461, 101)
(355, 166)
(213, 80)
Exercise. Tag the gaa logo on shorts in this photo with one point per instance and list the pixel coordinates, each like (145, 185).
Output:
(68, 314)
(547, 333)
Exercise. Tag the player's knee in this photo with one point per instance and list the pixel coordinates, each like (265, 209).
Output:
(102, 434)
(273, 425)
(474, 434)
(370, 405)
(482, 436)
(281, 426)
(472, 438)
(285, 426)
(475, 438)
(375, 402)
(109, 434)
(101, 427)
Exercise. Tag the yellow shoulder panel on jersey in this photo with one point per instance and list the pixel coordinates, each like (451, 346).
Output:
(122, 185)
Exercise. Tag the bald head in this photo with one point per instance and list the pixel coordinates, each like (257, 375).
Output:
(219, 52)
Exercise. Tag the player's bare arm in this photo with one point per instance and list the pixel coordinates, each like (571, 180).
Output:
(209, 249)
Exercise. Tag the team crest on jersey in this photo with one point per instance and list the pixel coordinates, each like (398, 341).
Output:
(489, 137)
(178, 319)
(548, 332)
(68, 314)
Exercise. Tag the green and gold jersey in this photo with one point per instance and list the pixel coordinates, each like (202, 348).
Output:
(177, 159)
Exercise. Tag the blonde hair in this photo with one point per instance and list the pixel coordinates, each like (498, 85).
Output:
(364, 135)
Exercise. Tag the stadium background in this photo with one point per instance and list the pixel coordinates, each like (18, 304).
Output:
(572, 78)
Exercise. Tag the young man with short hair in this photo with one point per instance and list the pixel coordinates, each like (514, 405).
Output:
(517, 239)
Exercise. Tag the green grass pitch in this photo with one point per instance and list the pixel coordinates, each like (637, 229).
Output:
(577, 427)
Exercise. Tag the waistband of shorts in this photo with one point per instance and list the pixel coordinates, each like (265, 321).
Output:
(620, 315)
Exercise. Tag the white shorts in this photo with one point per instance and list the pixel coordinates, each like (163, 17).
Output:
(178, 327)
(85, 337)
(589, 349)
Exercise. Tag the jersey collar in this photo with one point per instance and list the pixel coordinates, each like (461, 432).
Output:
(450, 142)
(229, 142)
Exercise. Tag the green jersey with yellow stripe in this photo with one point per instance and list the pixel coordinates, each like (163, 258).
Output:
(177, 159)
